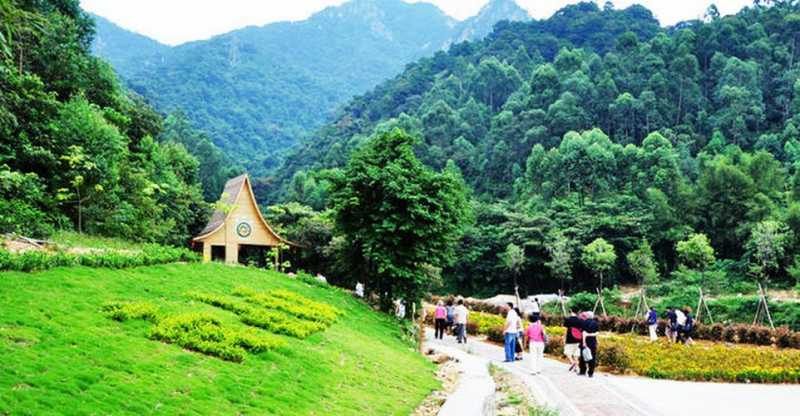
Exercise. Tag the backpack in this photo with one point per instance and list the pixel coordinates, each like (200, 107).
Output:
(576, 333)
(689, 323)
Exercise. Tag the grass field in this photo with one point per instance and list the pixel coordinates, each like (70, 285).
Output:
(62, 355)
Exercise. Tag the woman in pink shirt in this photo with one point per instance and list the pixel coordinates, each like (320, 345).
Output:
(440, 320)
(536, 339)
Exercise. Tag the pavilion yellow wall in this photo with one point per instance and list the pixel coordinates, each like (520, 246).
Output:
(244, 209)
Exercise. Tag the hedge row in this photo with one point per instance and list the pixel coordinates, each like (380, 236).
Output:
(737, 333)
(718, 362)
(150, 254)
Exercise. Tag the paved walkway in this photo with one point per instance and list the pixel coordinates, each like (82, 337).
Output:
(474, 394)
(611, 395)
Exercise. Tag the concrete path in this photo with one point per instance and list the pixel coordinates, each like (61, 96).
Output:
(474, 394)
(610, 395)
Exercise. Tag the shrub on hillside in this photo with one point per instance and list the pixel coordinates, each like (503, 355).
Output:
(205, 334)
(123, 311)
(274, 321)
(35, 260)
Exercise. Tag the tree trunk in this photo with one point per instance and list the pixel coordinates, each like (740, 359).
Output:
(80, 212)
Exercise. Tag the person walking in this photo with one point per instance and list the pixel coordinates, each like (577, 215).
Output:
(680, 325)
(688, 327)
(536, 308)
(439, 320)
(672, 326)
(451, 315)
(510, 331)
(536, 338)
(588, 361)
(519, 346)
(461, 316)
(652, 323)
(573, 338)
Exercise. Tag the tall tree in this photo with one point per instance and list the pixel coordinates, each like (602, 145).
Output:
(396, 216)
(599, 256)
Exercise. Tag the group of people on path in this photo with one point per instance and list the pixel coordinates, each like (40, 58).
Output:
(451, 319)
(534, 336)
(580, 342)
(679, 327)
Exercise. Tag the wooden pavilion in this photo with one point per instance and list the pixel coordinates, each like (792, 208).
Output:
(237, 222)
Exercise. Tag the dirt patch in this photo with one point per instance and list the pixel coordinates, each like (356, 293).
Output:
(448, 372)
(14, 244)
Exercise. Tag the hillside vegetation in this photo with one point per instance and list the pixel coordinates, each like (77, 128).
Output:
(258, 90)
(62, 350)
(596, 130)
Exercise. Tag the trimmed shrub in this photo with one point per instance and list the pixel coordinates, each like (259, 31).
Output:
(204, 333)
(290, 303)
(123, 311)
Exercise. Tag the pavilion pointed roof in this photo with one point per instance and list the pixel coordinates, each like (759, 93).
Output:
(233, 189)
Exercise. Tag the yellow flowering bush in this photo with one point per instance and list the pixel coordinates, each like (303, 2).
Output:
(123, 311)
(205, 334)
(275, 321)
(705, 361)
(290, 303)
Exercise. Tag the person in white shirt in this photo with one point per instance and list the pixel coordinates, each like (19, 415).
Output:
(511, 330)
(535, 309)
(461, 313)
(681, 324)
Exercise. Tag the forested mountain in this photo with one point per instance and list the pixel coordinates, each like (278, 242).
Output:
(126, 51)
(76, 149)
(480, 25)
(255, 91)
(597, 123)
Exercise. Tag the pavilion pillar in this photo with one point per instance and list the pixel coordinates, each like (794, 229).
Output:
(232, 253)
(206, 252)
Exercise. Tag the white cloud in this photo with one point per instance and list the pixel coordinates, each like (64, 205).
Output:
(177, 21)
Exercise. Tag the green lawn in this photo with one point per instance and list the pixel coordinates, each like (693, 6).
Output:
(61, 355)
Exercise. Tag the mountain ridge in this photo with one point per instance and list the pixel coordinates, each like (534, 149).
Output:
(259, 89)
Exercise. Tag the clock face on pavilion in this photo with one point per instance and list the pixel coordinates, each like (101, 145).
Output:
(244, 229)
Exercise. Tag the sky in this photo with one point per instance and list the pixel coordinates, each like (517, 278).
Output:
(177, 21)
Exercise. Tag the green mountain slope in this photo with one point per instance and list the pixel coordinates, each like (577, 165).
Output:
(257, 90)
(457, 101)
(127, 51)
(62, 354)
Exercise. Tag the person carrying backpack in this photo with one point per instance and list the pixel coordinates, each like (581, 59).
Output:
(573, 338)
(588, 358)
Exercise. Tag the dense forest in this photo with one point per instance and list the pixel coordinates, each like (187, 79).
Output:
(593, 124)
(257, 91)
(77, 150)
